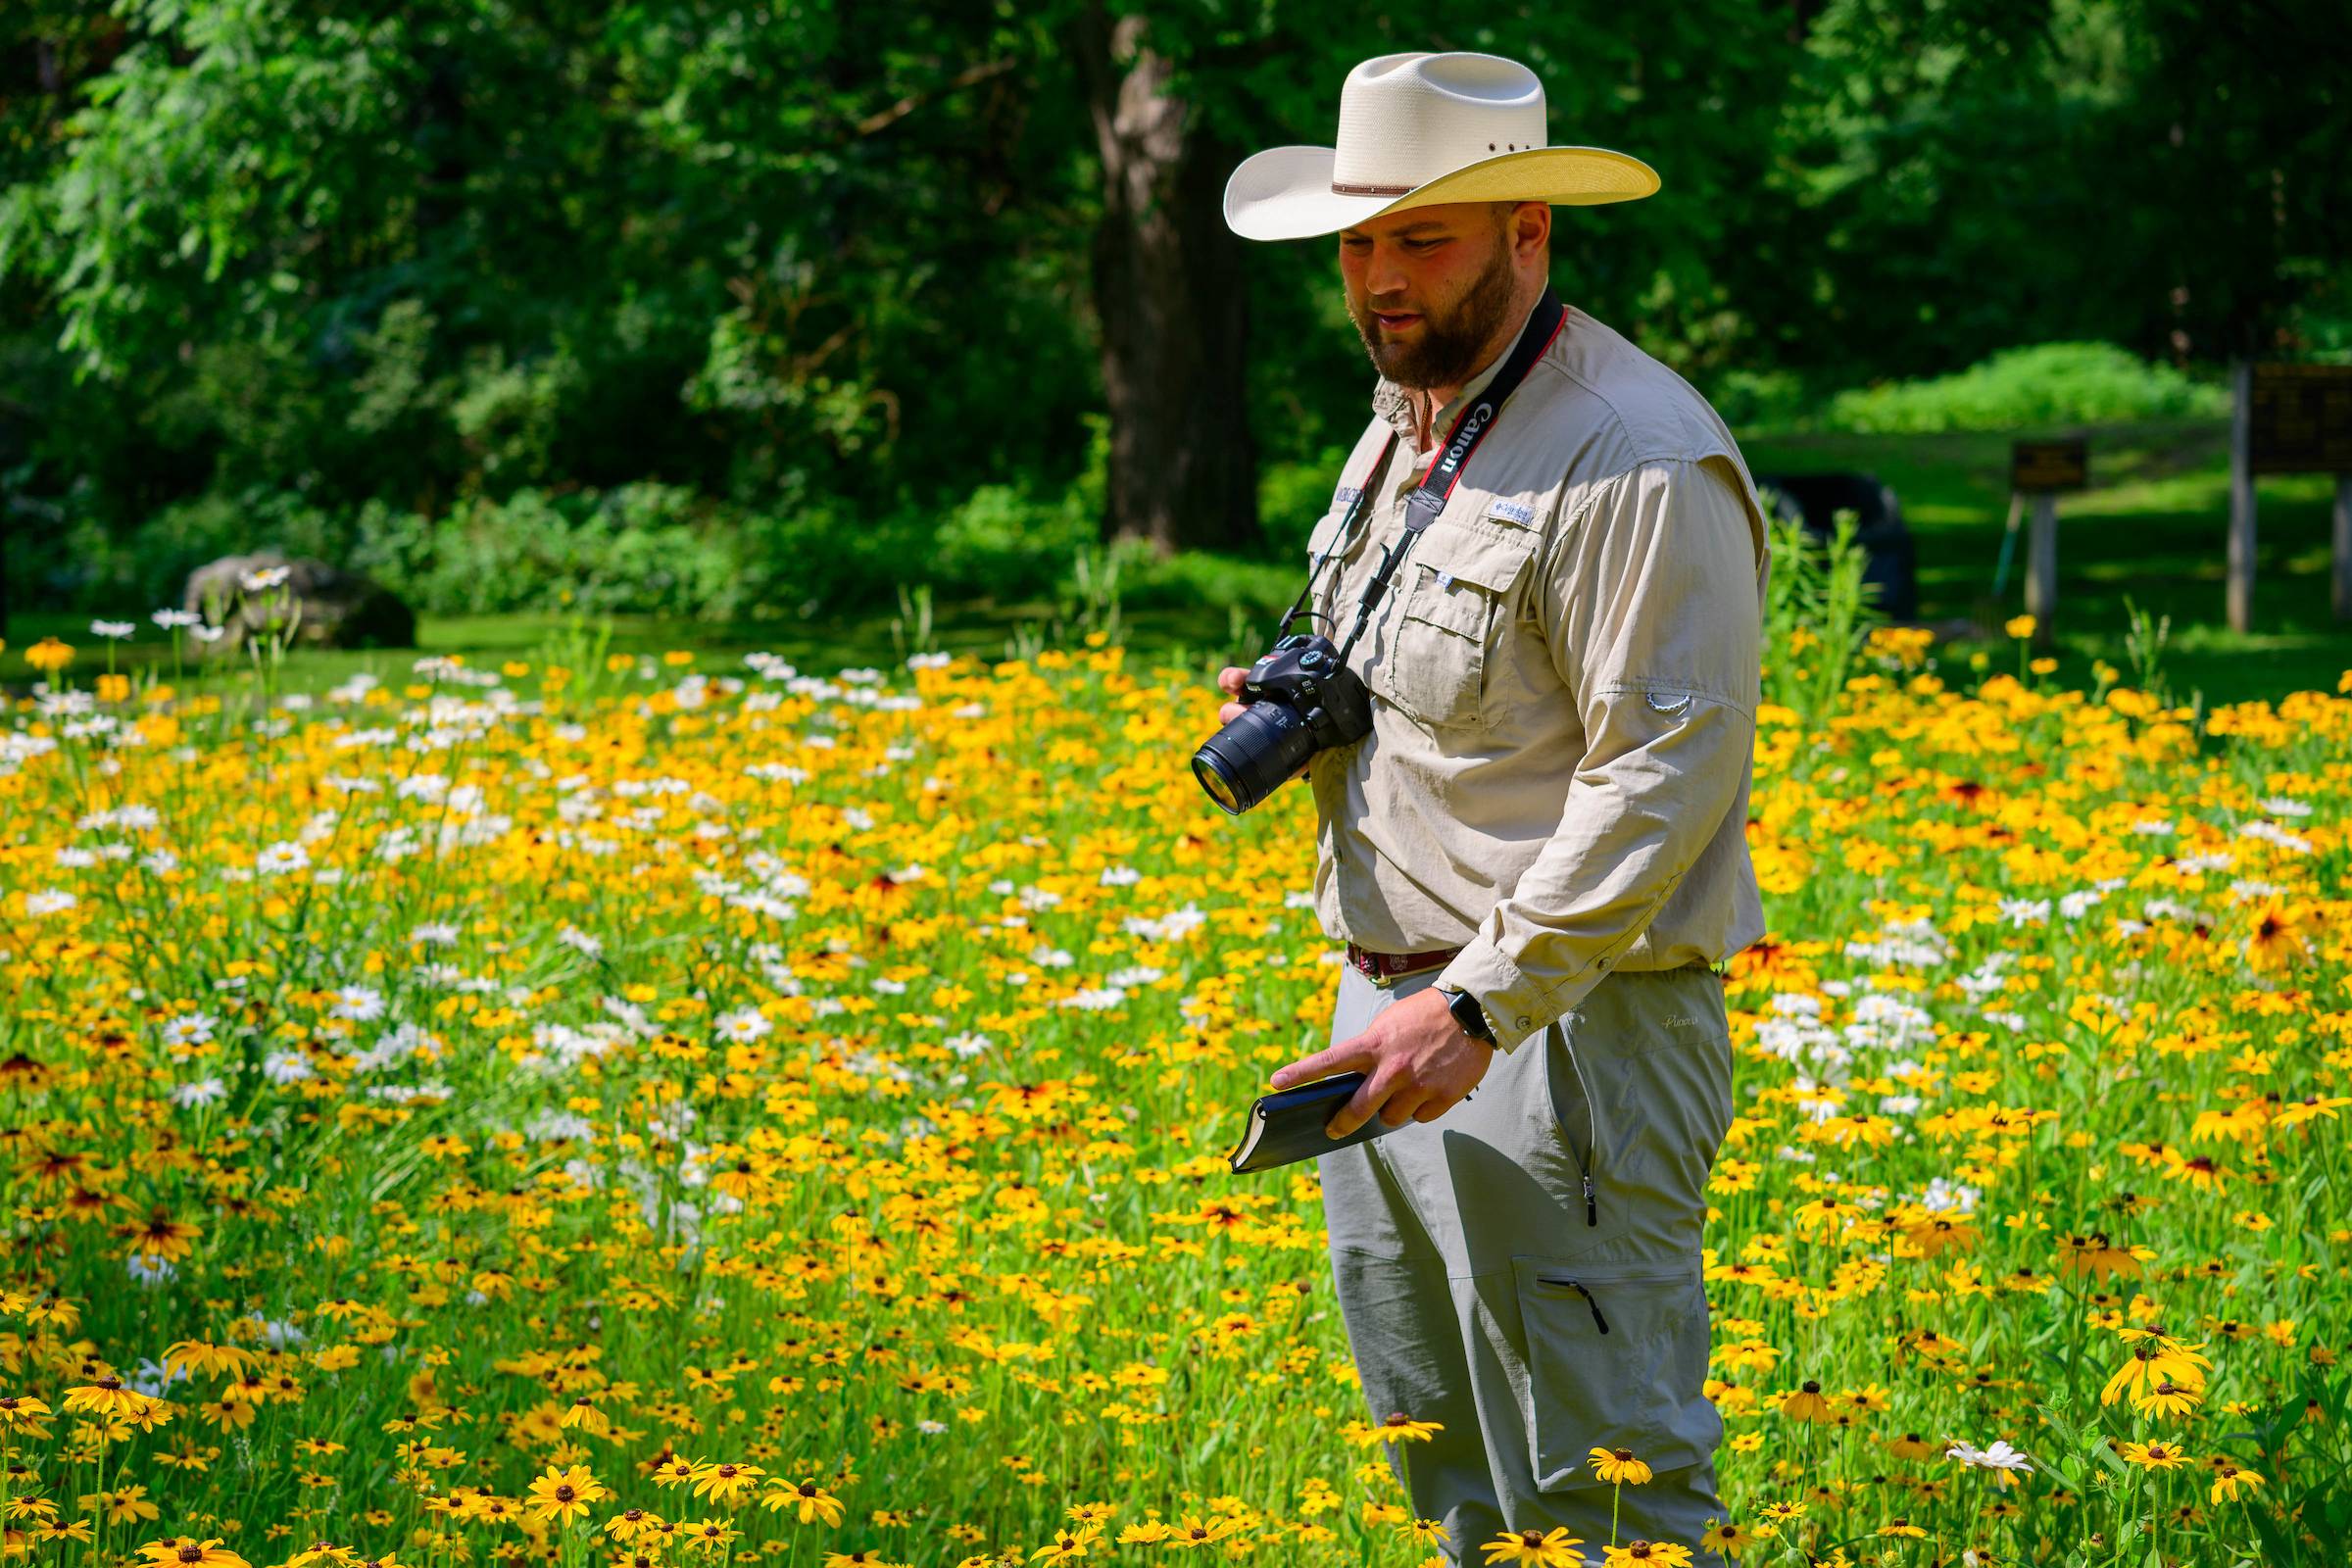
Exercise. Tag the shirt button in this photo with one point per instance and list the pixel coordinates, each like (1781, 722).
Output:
(1526, 1023)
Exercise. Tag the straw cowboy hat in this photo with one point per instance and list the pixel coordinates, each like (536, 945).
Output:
(1417, 130)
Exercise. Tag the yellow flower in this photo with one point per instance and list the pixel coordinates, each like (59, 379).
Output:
(206, 1360)
(1399, 1425)
(1540, 1548)
(122, 1505)
(2019, 625)
(724, 1483)
(1619, 1467)
(637, 1524)
(1065, 1547)
(1728, 1537)
(564, 1495)
(1806, 1403)
(2168, 1397)
(21, 1411)
(814, 1502)
(49, 656)
(110, 1399)
(2152, 1455)
(1642, 1553)
(2229, 1480)
(183, 1552)
(2273, 935)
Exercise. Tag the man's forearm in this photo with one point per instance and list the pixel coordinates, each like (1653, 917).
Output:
(1633, 827)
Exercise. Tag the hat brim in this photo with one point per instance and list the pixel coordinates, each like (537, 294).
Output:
(1284, 192)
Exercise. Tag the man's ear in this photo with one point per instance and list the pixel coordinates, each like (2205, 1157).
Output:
(1530, 232)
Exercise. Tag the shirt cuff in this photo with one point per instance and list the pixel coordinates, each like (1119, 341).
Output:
(1515, 1003)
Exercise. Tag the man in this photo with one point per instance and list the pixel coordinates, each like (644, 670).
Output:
(1537, 855)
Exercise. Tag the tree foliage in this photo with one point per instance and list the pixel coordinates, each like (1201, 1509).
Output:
(811, 262)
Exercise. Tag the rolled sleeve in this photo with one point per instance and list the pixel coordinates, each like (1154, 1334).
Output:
(1649, 596)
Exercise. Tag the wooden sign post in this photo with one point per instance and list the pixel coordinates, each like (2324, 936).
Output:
(2289, 418)
(2041, 470)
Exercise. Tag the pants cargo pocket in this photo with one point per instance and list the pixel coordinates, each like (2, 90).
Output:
(1616, 1358)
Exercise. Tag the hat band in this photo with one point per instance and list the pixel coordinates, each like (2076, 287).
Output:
(1338, 190)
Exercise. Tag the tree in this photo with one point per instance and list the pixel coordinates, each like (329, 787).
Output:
(1170, 299)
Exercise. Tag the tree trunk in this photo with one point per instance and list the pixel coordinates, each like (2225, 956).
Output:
(1172, 298)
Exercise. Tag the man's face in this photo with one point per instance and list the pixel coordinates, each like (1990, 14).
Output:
(1428, 289)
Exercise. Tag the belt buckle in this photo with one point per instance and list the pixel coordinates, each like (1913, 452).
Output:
(1388, 980)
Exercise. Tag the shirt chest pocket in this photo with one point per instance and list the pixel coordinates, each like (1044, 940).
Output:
(1453, 619)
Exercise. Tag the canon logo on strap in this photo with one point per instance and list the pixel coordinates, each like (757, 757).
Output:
(1467, 436)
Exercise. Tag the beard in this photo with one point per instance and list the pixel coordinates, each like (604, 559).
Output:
(1452, 344)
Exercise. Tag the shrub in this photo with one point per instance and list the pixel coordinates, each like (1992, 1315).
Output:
(644, 547)
(2044, 384)
(1006, 542)
(149, 567)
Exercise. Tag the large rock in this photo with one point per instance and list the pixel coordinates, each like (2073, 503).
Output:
(330, 608)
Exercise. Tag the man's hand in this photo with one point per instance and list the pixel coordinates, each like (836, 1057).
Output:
(1229, 681)
(1417, 1061)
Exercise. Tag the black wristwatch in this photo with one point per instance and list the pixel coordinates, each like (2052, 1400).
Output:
(1471, 1016)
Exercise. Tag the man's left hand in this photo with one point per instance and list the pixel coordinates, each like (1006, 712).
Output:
(1417, 1062)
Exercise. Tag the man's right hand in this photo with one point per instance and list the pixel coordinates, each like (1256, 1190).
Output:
(1229, 681)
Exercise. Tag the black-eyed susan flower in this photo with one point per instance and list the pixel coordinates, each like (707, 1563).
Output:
(1534, 1548)
(726, 1481)
(1619, 1467)
(1398, 1426)
(562, 1495)
(2231, 1479)
(1806, 1402)
(2152, 1455)
(1729, 1536)
(809, 1499)
(182, 1551)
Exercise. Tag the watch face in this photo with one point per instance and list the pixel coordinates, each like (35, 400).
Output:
(1470, 1015)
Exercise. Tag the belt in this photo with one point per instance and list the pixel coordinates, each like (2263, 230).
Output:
(1385, 967)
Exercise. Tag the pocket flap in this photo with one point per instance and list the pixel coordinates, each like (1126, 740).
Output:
(1488, 555)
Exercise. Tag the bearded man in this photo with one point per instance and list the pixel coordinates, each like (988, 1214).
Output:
(1537, 854)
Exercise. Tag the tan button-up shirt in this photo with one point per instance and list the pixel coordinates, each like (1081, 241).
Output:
(1565, 673)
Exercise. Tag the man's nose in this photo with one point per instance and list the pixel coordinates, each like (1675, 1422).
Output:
(1383, 277)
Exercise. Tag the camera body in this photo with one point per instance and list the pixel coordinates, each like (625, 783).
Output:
(1301, 698)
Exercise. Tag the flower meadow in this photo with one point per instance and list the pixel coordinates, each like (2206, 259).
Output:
(623, 1111)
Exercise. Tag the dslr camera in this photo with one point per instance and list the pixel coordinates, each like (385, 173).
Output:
(1301, 698)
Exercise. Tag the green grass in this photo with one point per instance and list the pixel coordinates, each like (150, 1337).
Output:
(2153, 530)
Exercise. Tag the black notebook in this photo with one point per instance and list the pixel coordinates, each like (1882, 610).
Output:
(1288, 1125)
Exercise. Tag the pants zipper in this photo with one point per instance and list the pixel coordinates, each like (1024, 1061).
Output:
(1583, 1159)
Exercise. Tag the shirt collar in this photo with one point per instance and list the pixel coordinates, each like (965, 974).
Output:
(1392, 404)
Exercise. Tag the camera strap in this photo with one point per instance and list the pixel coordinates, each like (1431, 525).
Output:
(1430, 496)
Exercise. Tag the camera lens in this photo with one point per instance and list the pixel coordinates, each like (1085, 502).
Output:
(1250, 757)
(1219, 791)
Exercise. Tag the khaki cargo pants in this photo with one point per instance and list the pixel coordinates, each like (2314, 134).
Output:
(1475, 1281)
